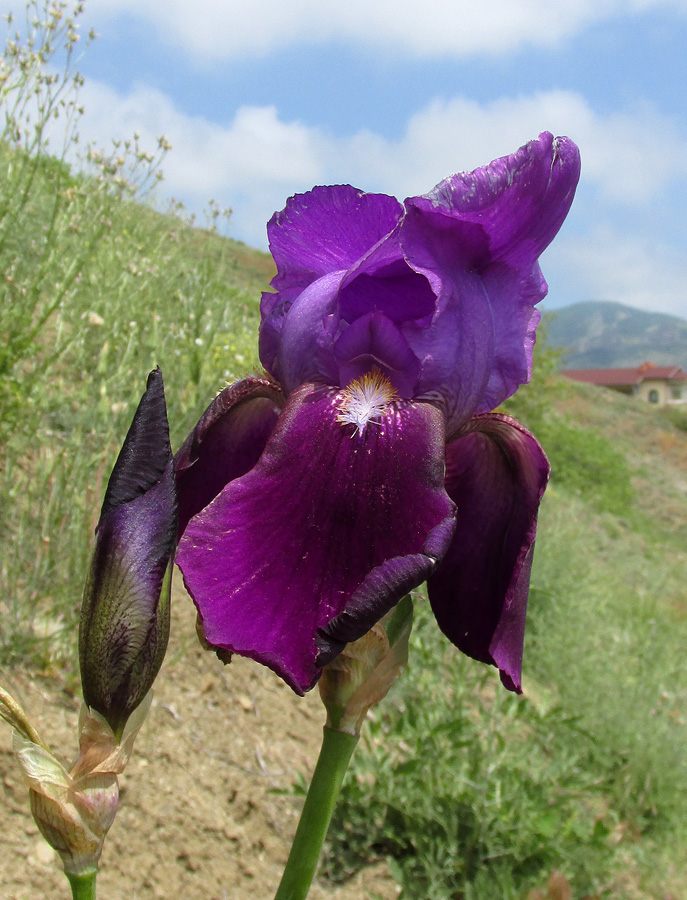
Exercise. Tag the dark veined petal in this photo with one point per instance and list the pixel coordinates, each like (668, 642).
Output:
(281, 551)
(227, 442)
(146, 450)
(124, 625)
(381, 590)
(496, 473)
(477, 237)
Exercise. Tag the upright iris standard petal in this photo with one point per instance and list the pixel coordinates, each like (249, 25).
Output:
(280, 552)
(316, 236)
(519, 201)
(496, 473)
(124, 626)
(374, 342)
(456, 276)
(328, 230)
(305, 348)
(490, 225)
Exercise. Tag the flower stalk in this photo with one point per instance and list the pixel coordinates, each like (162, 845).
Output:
(335, 754)
(350, 685)
(83, 885)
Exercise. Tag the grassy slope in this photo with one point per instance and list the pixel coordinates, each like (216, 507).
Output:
(607, 616)
(617, 630)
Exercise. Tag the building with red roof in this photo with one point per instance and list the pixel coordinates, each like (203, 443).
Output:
(654, 384)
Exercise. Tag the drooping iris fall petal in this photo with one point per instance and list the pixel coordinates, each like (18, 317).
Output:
(227, 442)
(496, 473)
(281, 551)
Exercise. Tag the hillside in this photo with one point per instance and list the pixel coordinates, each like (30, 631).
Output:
(600, 334)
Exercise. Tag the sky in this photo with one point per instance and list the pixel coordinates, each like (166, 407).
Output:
(261, 99)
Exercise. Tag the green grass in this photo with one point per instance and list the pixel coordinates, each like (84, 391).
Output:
(474, 793)
(97, 288)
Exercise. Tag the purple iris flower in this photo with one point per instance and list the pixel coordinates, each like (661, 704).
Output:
(368, 461)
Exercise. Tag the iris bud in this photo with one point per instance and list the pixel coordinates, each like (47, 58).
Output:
(124, 625)
(361, 675)
(73, 808)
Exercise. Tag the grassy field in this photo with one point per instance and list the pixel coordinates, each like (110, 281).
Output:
(585, 773)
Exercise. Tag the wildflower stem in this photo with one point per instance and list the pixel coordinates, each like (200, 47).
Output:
(335, 754)
(83, 885)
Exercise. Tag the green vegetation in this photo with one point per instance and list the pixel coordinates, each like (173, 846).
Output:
(676, 415)
(583, 460)
(469, 792)
(96, 289)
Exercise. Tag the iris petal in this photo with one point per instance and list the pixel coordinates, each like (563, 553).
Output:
(306, 342)
(491, 224)
(327, 229)
(381, 590)
(281, 551)
(146, 451)
(374, 340)
(227, 442)
(520, 201)
(125, 616)
(496, 473)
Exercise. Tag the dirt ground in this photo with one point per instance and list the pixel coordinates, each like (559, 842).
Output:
(205, 811)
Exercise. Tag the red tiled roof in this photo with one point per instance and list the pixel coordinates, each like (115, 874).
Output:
(617, 377)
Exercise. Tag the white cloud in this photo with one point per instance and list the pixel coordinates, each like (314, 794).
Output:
(630, 156)
(220, 29)
(252, 164)
(257, 160)
(639, 271)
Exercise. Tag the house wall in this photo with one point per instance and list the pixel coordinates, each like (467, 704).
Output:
(659, 393)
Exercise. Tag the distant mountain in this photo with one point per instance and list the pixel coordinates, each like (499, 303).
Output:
(600, 334)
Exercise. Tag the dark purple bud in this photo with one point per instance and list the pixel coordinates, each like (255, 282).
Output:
(124, 625)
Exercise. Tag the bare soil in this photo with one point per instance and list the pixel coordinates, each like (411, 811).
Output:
(206, 809)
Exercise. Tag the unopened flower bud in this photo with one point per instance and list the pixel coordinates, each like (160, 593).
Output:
(74, 809)
(124, 625)
(361, 675)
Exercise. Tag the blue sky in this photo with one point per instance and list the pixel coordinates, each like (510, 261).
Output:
(266, 98)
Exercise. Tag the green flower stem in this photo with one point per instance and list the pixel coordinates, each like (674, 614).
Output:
(335, 754)
(83, 886)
